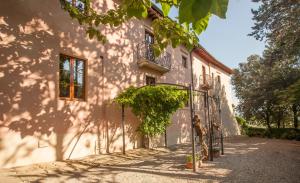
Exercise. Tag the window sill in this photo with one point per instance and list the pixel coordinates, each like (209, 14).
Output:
(71, 99)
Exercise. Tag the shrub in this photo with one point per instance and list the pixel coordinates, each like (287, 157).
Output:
(189, 158)
(255, 132)
(241, 121)
(243, 124)
(153, 105)
(278, 133)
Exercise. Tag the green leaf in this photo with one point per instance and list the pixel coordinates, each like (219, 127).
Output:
(97, 22)
(201, 8)
(201, 25)
(193, 10)
(165, 8)
(175, 42)
(145, 13)
(153, 105)
(219, 8)
(186, 25)
(185, 11)
(166, 31)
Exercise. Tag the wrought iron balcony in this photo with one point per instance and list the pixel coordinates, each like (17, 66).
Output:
(206, 82)
(146, 58)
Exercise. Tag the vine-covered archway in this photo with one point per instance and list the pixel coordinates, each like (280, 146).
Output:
(154, 105)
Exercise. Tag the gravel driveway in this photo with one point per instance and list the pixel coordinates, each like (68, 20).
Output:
(245, 160)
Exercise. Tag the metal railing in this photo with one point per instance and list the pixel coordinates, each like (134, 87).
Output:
(145, 51)
(206, 82)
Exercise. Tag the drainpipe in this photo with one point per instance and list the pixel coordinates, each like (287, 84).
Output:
(192, 77)
(191, 89)
(123, 128)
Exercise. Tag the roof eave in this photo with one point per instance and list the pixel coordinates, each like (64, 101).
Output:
(201, 52)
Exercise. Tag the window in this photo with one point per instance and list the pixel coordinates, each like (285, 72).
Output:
(149, 37)
(150, 80)
(219, 79)
(79, 4)
(71, 77)
(149, 40)
(203, 74)
(184, 61)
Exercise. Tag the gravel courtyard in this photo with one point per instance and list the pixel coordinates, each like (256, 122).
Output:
(245, 160)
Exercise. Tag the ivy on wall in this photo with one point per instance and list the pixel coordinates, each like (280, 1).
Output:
(153, 105)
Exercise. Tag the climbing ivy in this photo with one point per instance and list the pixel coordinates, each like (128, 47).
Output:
(153, 105)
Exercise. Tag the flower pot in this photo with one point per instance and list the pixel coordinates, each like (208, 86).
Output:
(189, 165)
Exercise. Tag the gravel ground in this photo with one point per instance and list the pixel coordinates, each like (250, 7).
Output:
(245, 160)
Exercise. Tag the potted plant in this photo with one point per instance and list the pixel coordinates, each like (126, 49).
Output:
(189, 161)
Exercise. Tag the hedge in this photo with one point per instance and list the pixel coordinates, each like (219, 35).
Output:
(278, 133)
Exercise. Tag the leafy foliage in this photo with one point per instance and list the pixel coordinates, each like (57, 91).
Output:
(241, 121)
(243, 124)
(189, 158)
(268, 86)
(278, 21)
(262, 87)
(292, 93)
(193, 18)
(278, 133)
(153, 105)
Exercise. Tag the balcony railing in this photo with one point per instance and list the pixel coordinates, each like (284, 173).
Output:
(206, 83)
(146, 58)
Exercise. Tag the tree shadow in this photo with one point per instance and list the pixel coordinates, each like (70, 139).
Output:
(239, 163)
(42, 126)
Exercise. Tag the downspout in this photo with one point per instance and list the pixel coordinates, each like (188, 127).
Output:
(209, 69)
(192, 76)
(191, 89)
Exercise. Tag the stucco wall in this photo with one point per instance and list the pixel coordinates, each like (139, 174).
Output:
(40, 125)
(230, 126)
(35, 124)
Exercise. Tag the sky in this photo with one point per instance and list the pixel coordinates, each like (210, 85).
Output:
(226, 39)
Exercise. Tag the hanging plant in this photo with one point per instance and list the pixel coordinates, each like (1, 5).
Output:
(153, 105)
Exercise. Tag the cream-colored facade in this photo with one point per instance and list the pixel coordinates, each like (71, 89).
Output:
(36, 125)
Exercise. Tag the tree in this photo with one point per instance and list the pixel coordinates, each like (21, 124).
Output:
(271, 96)
(291, 95)
(267, 89)
(278, 21)
(192, 19)
(251, 85)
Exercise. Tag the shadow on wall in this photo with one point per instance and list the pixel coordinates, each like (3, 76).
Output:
(230, 126)
(32, 34)
(180, 129)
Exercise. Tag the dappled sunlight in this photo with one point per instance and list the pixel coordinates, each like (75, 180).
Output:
(35, 25)
(31, 106)
(47, 127)
(240, 151)
(214, 171)
(6, 39)
(162, 164)
(243, 148)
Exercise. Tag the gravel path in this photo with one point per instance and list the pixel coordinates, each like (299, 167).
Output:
(245, 160)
